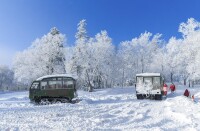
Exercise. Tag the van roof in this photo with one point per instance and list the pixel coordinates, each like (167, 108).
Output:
(148, 74)
(56, 75)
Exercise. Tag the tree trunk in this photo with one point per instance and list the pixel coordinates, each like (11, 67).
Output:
(189, 83)
(106, 84)
(192, 83)
(123, 78)
(99, 82)
(184, 82)
(171, 77)
(142, 65)
(1, 83)
(90, 86)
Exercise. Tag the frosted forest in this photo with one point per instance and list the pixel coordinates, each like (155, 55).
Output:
(98, 63)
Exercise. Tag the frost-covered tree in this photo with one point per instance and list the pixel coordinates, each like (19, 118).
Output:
(6, 77)
(52, 49)
(98, 61)
(191, 46)
(79, 53)
(136, 56)
(44, 57)
(145, 47)
(69, 51)
(158, 63)
(80, 48)
(92, 59)
(103, 56)
(182, 54)
(127, 64)
(189, 28)
(172, 57)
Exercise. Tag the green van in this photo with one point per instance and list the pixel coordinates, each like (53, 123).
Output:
(53, 88)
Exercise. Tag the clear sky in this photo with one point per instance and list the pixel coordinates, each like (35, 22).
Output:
(22, 21)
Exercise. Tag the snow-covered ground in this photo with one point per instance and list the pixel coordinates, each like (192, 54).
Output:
(108, 109)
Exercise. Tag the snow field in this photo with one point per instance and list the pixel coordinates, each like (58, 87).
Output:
(107, 109)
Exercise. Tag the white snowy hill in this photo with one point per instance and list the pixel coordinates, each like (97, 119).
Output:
(108, 109)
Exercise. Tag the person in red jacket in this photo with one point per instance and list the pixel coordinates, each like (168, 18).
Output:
(172, 88)
(165, 89)
(186, 93)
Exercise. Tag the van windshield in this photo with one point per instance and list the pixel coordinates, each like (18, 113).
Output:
(140, 80)
(156, 81)
(35, 85)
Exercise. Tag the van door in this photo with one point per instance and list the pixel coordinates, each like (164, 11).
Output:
(34, 89)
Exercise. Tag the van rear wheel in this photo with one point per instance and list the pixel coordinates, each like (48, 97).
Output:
(158, 97)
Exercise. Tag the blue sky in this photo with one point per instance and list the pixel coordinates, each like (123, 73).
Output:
(22, 21)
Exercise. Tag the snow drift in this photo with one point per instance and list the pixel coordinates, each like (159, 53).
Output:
(108, 109)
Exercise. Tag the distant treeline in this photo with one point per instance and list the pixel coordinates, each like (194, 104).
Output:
(98, 63)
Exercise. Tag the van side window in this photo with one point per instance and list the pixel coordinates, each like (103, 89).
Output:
(52, 84)
(60, 79)
(55, 84)
(44, 85)
(68, 83)
(59, 84)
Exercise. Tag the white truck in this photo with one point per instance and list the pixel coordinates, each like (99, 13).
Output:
(149, 85)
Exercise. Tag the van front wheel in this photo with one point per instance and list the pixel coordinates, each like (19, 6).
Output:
(140, 96)
(37, 100)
